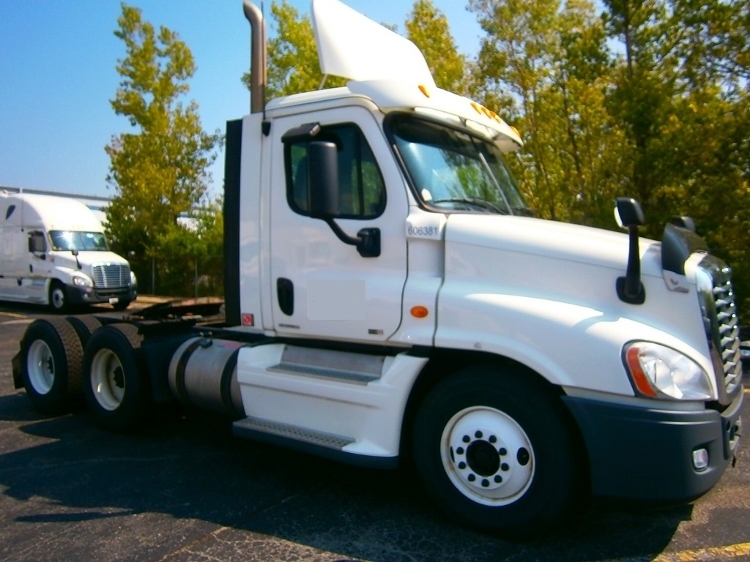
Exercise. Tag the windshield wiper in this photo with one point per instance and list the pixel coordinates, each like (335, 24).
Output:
(475, 201)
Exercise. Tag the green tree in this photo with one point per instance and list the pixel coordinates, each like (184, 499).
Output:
(547, 66)
(160, 170)
(427, 27)
(194, 245)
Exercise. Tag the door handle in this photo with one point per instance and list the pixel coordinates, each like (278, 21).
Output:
(285, 294)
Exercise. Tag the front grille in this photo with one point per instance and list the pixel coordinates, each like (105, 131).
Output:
(714, 280)
(111, 276)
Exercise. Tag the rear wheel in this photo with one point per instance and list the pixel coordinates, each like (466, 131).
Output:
(115, 384)
(51, 365)
(496, 452)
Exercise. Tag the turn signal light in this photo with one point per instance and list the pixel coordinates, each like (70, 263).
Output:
(419, 311)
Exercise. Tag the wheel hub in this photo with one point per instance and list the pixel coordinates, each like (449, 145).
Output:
(107, 379)
(41, 367)
(487, 456)
(483, 458)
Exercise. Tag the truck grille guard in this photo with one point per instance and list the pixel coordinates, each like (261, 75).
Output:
(716, 296)
(111, 276)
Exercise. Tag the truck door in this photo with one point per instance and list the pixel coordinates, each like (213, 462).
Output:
(321, 286)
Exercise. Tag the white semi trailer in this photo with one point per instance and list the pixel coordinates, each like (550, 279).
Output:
(389, 295)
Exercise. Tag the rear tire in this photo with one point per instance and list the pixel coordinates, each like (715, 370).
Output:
(51, 358)
(495, 451)
(84, 326)
(115, 384)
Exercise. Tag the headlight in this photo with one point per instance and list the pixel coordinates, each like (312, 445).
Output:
(80, 281)
(661, 372)
(133, 280)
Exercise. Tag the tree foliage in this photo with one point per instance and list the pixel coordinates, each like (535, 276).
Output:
(649, 100)
(160, 170)
(427, 27)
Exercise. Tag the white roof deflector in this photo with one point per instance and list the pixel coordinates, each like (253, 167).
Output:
(355, 47)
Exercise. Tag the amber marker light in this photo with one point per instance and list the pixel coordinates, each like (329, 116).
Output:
(424, 90)
(639, 377)
(419, 311)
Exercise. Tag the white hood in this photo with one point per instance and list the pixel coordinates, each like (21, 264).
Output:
(557, 241)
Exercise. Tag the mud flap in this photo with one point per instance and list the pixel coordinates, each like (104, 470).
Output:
(15, 364)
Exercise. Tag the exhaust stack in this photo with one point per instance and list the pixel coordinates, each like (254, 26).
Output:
(257, 57)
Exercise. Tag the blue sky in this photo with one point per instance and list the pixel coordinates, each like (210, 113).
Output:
(57, 75)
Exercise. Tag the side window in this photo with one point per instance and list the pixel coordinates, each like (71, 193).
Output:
(36, 242)
(361, 187)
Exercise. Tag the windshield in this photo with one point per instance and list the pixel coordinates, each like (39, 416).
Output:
(76, 240)
(454, 170)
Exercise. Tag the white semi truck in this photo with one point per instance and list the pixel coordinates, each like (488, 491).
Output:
(389, 296)
(54, 253)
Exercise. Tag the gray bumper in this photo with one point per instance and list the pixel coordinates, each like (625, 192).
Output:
(647, 454)
(92, 295)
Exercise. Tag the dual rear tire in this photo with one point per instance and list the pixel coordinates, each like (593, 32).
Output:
(65, 361)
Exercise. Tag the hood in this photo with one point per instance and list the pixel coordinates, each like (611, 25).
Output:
(64, 258)
(550, 240)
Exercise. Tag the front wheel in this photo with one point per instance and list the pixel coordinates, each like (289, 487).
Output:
(121, 305)
(58, 297)
(496, 452)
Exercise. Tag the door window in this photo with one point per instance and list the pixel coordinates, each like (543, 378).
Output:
(361, 186)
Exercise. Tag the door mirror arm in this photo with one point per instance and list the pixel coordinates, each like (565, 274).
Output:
(367, 240)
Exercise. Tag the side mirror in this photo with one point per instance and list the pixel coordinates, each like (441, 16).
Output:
(629, 215)
(323, 174)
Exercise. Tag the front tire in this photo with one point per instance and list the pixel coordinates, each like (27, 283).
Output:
(495, 451)
(58, 297)
(115, 385)
(51, 358)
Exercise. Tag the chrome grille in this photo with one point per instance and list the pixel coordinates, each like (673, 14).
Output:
(720, 320)
(110, 276)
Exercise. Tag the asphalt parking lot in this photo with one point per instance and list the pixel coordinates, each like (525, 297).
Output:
(185, 489)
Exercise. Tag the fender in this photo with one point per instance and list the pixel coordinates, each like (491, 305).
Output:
(560, 341)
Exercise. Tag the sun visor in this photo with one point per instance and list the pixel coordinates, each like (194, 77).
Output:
(355, 47)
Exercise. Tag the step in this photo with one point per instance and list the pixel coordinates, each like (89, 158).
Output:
(295, 433)
(340, 365)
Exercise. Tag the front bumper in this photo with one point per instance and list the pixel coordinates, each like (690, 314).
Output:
(647, 454)
(91, 295)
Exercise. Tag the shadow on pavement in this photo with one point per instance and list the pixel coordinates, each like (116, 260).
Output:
(191, 469)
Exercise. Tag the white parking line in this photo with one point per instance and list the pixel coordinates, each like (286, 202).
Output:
(13, 315)
(730, 552)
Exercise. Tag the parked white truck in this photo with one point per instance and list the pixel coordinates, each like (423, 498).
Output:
(54, 253)
(390, 296)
